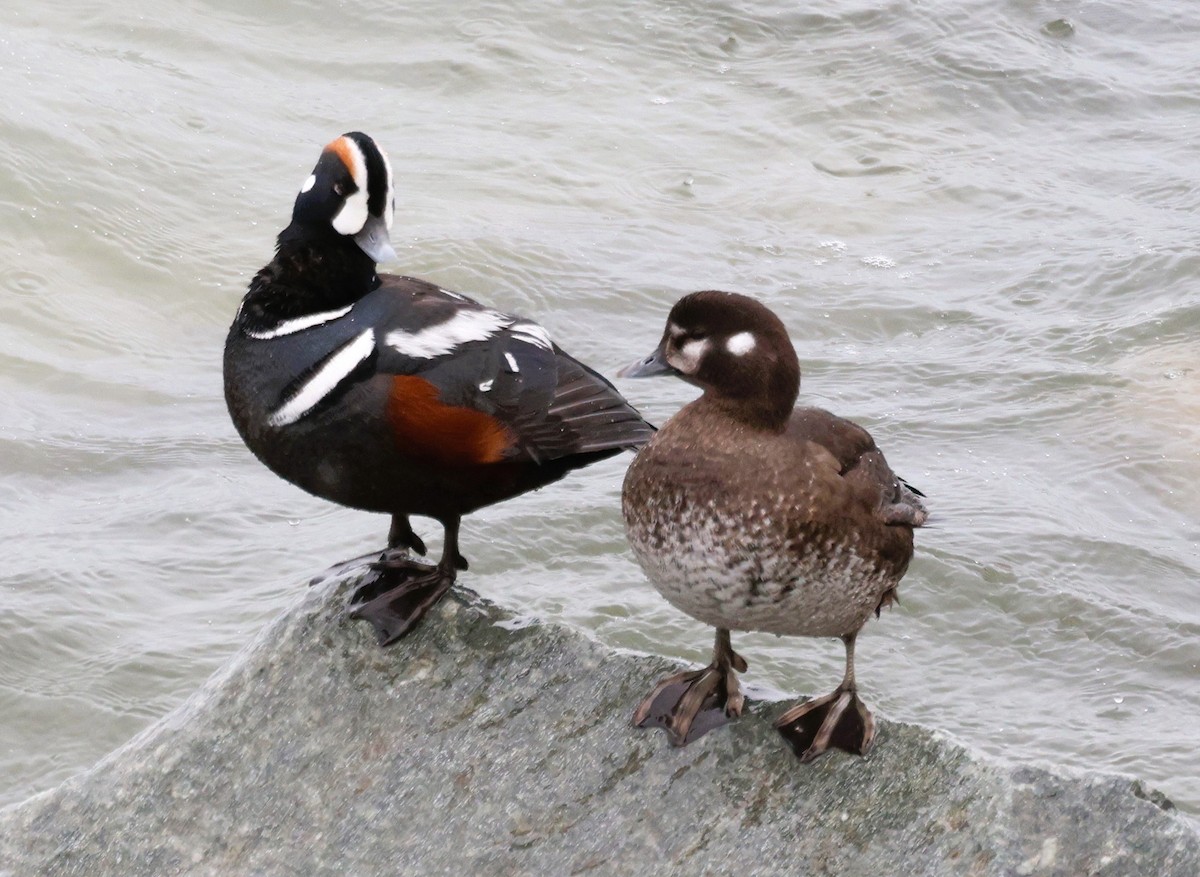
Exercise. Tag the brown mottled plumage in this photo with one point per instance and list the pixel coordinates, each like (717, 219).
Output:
(750, 514)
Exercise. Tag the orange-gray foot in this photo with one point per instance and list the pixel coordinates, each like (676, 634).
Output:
(690, 704)
(838, 720)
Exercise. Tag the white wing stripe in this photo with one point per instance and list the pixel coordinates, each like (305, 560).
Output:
(532, 333)
(336, 369)
(289, 327)
(443, 338)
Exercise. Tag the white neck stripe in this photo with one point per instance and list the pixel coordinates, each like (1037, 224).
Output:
(299, 324)
(326, 379)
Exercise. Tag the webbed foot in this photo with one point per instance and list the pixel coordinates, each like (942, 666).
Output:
(690, 704)
(396, 596)
(838, 720)
(341, 568)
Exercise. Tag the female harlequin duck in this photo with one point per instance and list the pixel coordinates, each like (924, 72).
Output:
(750, 514)
(388, 394)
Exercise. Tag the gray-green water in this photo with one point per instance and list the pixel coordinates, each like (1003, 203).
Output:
(979, 221)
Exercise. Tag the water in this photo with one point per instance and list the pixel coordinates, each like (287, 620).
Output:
(978, 221)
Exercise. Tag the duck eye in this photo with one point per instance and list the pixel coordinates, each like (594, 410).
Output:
(339, 189)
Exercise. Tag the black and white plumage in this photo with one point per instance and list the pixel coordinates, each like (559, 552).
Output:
(750, 514)
(390, 394)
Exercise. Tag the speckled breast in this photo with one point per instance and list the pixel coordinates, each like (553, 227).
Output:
(740, 553)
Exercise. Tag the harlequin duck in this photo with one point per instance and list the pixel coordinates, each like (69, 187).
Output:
(749, 514)
(389, 394)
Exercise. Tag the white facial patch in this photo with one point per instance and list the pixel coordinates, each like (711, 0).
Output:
(389, 203)
(532, 333)
(288, 327)
(674, 331)
(326, 379)
(353, 215)
(512, 363)
(687, 360)
(741, 343)
(443, 338)
(308, 184)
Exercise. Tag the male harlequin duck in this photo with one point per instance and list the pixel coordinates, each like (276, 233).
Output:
(388, 394)
(750, 514)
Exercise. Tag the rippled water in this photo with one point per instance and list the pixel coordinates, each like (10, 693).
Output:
(978, 220)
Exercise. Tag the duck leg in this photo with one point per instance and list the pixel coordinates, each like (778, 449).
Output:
(838, 720)
(395, 558)
(688, 705)
(401, 539)
(400, 590)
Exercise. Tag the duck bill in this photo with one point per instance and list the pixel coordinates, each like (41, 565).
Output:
(653, 366)
(374, 241)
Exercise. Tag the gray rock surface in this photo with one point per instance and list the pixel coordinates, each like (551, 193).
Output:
(472, 748)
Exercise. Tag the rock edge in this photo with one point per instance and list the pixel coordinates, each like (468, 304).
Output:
(473, 747)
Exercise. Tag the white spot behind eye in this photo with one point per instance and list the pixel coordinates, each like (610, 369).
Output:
(741, 343)
(308, 184)
(512, 363)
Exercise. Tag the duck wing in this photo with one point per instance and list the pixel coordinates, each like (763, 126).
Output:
(861, 464)
(456, 363)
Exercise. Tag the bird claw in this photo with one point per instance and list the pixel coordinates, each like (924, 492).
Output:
(398, 596)
(838, 720)
(688, 705)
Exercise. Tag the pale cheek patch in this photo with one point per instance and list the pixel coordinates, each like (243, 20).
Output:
(740, 344)
(353, 215)
(308, 184)
(687, 360)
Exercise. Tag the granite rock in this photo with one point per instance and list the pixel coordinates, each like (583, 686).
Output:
(479, 746)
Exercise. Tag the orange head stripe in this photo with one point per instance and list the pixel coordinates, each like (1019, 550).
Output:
(425, 427)
(342, 149)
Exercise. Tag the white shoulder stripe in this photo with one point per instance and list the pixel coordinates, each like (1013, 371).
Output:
(288, 327)
(326, 379)
(442, 338)
(532, 333)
